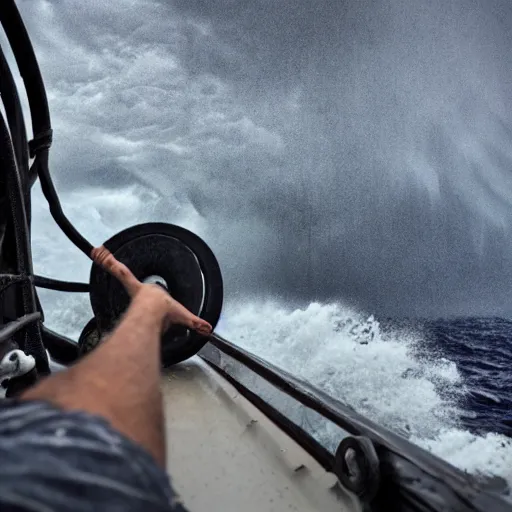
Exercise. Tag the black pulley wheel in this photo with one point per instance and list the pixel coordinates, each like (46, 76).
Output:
(179, 260)
(89, 338)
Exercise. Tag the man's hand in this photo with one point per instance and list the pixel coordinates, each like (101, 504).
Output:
(171, 311)
(150, 295)
(105, 259)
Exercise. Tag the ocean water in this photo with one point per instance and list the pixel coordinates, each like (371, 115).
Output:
(444, 384)
(443, 388)
(482, 349)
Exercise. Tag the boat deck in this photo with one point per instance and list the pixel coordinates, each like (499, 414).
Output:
(225, 455)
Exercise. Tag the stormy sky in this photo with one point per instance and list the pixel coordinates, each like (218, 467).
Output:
(353, 150)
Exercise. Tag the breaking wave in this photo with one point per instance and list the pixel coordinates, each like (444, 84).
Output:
(382, 372)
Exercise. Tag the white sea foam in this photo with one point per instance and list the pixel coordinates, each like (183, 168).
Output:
(338, 349)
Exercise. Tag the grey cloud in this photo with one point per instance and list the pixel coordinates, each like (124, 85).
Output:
(337, 150)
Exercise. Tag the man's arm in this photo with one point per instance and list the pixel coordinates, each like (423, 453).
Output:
(120, 380)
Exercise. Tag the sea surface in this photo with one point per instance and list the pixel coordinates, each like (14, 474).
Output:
(482, 351)
(445, 384)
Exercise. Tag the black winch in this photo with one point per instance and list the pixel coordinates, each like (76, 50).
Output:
(175, 258)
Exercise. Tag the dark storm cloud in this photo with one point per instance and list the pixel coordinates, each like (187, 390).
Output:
(354, 150)
(399, 147)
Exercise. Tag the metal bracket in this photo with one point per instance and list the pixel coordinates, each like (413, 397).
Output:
(356, 464)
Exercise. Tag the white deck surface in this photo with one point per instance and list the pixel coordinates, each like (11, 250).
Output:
(224, 455)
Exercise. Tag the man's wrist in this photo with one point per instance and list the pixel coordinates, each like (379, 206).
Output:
(153, 301)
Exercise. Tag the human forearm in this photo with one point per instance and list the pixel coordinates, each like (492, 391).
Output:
(137, 335)
(120, 380)
(133, 348)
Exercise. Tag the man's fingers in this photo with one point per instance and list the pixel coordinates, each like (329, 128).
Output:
(105, 259)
